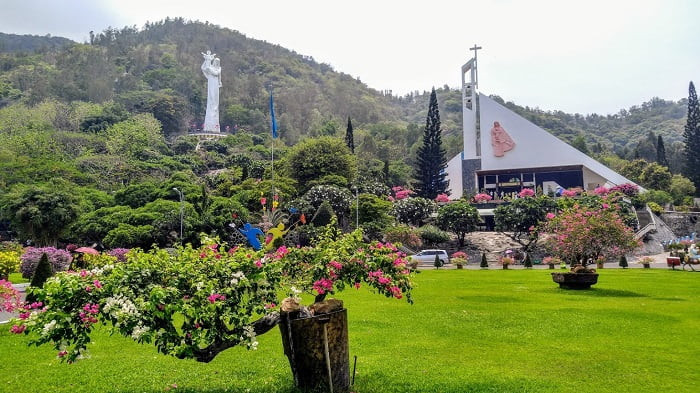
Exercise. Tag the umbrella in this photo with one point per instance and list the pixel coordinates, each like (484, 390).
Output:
(87, 250)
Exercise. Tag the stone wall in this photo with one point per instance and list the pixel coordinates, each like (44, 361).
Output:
(682, 224)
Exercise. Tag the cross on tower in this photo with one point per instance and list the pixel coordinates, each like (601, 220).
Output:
(476, 68)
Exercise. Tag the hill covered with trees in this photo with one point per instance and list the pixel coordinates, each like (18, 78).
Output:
(97, 133)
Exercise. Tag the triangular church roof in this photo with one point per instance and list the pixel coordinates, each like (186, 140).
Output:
(534, 147)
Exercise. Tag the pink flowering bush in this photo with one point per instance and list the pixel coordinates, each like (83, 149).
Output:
(119, 253)
(628, 189)
(479, 198)
(400, 193)
(60, 260)
(198, 302)
(602, 191)
(526, 192)
(581, 233)
(442, 198)
(9, 297)
(569, 193)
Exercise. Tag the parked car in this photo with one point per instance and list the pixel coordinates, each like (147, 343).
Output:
(428, 256)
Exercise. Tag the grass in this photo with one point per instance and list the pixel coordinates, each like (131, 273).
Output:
(16, 278)
(468, 331)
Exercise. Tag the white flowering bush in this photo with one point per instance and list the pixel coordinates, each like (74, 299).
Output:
(195, 303)
(413, 210)
(339, 198)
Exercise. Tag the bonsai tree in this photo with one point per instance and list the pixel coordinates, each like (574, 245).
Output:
(583, 233)
(198, 302)
(459, 258)
(484, 263)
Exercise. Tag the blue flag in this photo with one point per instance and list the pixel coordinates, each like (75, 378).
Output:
(273, 121)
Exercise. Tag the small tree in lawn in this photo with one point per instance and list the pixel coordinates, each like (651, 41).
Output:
(41, 274)
(437, 263)
(623, 262)
(459, 218)
(484, 262)
(582, 233)
(520, 218)
(528, 262)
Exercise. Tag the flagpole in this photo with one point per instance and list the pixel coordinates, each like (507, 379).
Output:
(273, 128)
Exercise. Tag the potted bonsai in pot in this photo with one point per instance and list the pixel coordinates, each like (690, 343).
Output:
(584, 233)
(459, 258)
(197, 302)
(506, 261)
(551, 261)
(646, 262)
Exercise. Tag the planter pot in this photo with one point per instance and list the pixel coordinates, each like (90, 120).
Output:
(570, 280)
(505, 267)
(600, 265)
(460, 267)
(551, 266)
(317, 349)
(646, 265)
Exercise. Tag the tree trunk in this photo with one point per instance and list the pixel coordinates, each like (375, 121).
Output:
(317, 348)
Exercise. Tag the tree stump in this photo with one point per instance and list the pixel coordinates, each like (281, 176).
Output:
(317, 349)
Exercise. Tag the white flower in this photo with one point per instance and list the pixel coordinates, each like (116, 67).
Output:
(139, 331)
(48, 327)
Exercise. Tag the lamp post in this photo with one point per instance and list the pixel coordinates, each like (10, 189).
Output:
(182, 209)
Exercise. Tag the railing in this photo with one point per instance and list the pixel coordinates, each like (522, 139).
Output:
(651, 226)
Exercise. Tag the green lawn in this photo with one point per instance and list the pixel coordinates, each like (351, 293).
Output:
(469, 331)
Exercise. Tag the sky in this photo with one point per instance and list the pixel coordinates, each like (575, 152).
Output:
(593, 56)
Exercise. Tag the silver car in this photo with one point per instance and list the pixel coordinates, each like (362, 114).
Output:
(428, 256)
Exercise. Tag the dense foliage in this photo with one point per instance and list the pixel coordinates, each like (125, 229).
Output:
(195, 303)
(431, 161)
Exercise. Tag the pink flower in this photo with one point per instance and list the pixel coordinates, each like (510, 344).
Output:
(384, 280)
(526, 192)
(335, 265)
(24, 315)
(214, 297)
(17, 329)
(357, 285)
(258, 263)
(97, 284)
(550, 216)
(396, 292)
(263, 201)
(270, 305)
(323, 285)
(62, 354)
(442, 198)
(478, 198)
(605, 206)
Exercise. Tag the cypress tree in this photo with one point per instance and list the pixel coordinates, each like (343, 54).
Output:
(349, 137)
(41, 274)
(437, 262)
(431, 161)
(661, 152)
(623, 262)
(484, 262)
(528, 261)
(691, 135)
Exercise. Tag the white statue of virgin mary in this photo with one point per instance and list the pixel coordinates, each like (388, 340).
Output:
(211, 67)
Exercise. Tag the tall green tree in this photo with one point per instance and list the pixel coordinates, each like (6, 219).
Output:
(580, 144)
(431, 161)
(691, 135)
(349, 137)
(661, 151)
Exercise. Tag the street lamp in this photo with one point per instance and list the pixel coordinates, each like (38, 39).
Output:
(182, 209)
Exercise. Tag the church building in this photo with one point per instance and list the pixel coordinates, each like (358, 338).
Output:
(504, 153)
